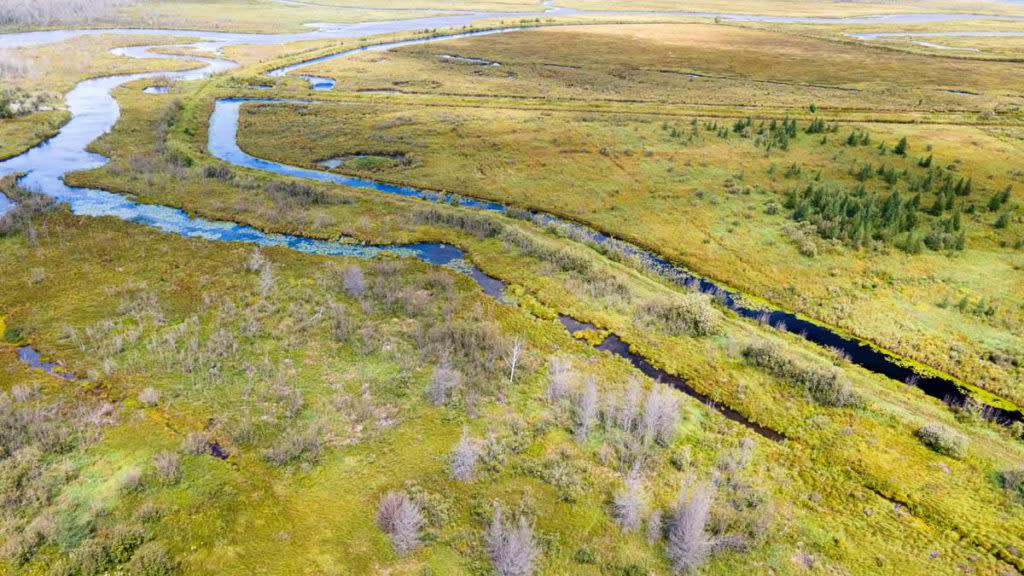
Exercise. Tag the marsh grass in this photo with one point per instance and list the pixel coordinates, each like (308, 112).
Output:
(367, 388)
(684, 201)
(365, 379)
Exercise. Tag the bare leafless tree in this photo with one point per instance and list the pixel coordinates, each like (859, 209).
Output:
(260, 265)
(629, 502)
(354, 281)
(256, 261)
(661, 415)
(443, 381)
(559, 378)
(511, 546)
(464, 457)
(267, 281)
(586, 410)
(399, 516)
(654, 526)
(628, 410)
(43, 12)
(514, 355)
(688, 543)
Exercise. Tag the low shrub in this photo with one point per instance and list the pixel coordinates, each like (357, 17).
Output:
(168, 466)
(473, 347)
(479, 226)
(131, 481)
(690, 314)
(152, 559)
(123, 542)
(290, 192)
(444, 380)
(340, 320)
(1013, 480)
(19, 219)
(149, 397)
(91, 558)
(825, 384)
(942, 439)
(194, 443)
(218, 172)
(303, 443)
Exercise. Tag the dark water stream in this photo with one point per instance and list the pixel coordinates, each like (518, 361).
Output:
(94, 112)
(614, 345)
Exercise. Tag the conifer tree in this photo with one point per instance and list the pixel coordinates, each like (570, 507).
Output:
(901, 147)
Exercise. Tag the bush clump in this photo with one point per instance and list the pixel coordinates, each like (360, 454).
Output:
(289, 192)
(462, 461)
(690, 314)
(152, 559)
(1013, 480)
(27, 206)
(168, 466)
(689, 543)
(825, 384)
(218, 172)
(300, 442)
(942, 439)
(473, 348)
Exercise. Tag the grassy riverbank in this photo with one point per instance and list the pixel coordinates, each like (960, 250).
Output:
(828, 9)
(716, 202)
(20, 134)
(36, 78)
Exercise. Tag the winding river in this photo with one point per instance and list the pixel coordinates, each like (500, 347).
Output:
(94, 112)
